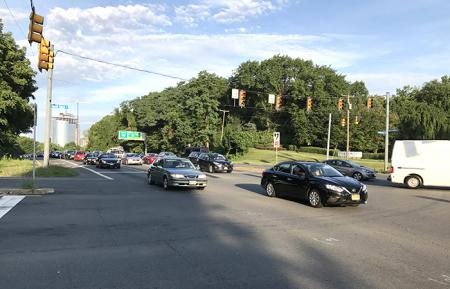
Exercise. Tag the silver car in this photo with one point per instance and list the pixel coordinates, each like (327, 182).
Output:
(131, 159)
(352, 169)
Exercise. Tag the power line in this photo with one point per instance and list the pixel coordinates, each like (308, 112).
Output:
(18, 25)
(121, 65)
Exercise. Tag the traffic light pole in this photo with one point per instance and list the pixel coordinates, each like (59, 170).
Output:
(348, 128)
(329, 136)
(223, 123)
(48, 118)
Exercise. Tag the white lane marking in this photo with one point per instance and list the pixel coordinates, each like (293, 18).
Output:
(437, 281)
(323, 242)
(91, 170)
(8, 202)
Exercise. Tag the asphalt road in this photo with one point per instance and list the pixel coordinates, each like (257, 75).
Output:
(115, 231)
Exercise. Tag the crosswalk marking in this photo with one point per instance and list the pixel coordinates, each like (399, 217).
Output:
(8, 202)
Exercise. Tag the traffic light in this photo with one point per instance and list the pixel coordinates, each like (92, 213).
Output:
(46, 55)
(369, 103)
(340, 103)
(342, 122)
(36, 27)
(278, 102)
(356, 119)
(242, 95)
(309, 103)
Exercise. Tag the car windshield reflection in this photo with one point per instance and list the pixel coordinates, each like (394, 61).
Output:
(319, 170)
(178, 164)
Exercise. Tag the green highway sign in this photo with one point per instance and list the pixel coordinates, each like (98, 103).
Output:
(131, 135)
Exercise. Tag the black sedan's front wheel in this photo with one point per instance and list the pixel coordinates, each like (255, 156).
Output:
(150, 180)
(314, 199)
(270, 190)
(166, 183)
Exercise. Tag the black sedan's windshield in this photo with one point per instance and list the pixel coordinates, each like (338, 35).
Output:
(322, 170)
(178, 164)
(217, 157)
(107, 156)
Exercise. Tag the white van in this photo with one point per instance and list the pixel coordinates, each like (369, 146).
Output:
(421, 163)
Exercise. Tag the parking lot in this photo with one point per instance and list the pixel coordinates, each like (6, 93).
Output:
(110, 229)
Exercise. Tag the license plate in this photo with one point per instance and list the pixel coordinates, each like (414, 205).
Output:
(355, 197)
(192, 182)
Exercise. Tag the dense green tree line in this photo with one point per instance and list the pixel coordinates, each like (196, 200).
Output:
(16, 89)
(188, 114)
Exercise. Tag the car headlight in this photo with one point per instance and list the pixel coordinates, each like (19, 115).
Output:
(334, 188)
(102, 161)
(364, 187)
(177, 176)
(202, 176)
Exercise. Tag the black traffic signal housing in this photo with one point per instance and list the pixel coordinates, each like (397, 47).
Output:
(242, 95)
(46, 55)
(35, 28)
(341, 103)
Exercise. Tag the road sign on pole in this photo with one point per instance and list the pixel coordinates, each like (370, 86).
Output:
(131, 135)
(276, 144)
(235, 93)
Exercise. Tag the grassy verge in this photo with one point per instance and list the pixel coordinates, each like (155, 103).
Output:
(24, 168)
(267, 157)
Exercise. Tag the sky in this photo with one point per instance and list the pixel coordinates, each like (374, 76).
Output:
(386, 44)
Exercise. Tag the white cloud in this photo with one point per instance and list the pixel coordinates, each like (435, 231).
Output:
(224, 11)
(6, 16)
(380, 83)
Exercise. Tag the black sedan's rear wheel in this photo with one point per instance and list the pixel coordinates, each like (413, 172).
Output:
(357, 176)
(314, 199)
(270, 190)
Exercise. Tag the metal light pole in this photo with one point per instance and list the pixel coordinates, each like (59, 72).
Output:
(348, 127)
(329, 136)
(34, 142)
(386, 137)
(223, 122)
(48, 116)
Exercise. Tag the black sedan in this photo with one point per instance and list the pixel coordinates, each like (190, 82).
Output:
(108, 161)
(176, 172)
(318, 183)
(213, 162)
(352, 169)
(90, 159)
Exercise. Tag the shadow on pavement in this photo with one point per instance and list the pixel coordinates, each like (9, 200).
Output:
(434, 199)
(127, 234)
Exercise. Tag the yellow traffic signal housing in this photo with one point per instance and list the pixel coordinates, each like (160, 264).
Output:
(342, 121)
(242, 95)
(46, 55)
(278, 103)
(309, 103)
(369, 103)
(356, 119)
(340, 103)
(35, 28)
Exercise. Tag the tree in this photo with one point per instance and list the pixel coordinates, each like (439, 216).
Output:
(16, 89)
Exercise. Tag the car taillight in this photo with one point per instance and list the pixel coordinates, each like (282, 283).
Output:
(391, 170)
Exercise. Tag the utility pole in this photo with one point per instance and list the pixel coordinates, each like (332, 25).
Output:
(223, 122)
(78, 125)
(34, 143)
(329, 136)
(348, 127)
(48, 116)
(386, 137)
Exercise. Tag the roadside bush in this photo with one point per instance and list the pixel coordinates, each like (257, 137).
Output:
(313, 150)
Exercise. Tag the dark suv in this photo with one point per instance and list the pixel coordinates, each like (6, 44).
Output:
(214, 162)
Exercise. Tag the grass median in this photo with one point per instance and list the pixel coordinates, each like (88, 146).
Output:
(24, 168)
(267, 157)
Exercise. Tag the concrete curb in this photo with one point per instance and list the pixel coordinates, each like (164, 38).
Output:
(31, 192)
